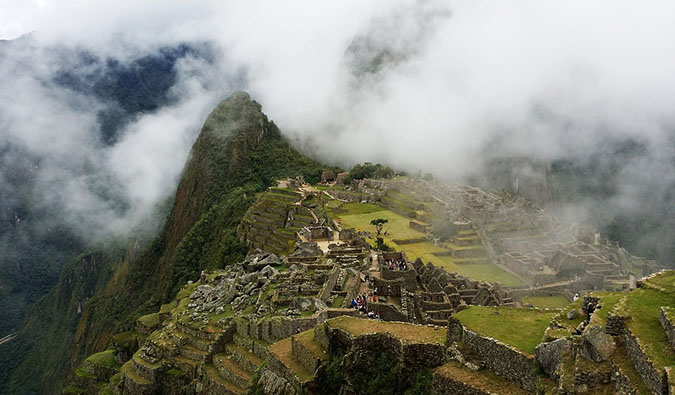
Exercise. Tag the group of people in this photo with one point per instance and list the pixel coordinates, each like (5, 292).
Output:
(398, 264)
(360, 303)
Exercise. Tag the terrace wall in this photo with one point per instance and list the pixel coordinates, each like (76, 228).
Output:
(654, 379)
(388, 312)
(668, 326)
(498, 357)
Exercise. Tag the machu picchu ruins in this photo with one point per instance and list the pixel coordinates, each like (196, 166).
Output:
(315, 291)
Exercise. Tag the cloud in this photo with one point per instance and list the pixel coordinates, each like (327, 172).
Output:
(444, 86)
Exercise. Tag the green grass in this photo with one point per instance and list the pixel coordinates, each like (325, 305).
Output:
(665, 282)
(607, 301)
(104, 358)
(643, 308)
(562, 316)
(358, 208)
(519, 328)
(397, 226)
(550, 302)
(478, 271)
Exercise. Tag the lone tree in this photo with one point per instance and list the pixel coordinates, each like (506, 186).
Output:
(379, 223)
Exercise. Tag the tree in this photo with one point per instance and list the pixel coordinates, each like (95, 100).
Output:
(379, 224)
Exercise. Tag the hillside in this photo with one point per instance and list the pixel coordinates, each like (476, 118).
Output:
(35, 238)
(238, 154)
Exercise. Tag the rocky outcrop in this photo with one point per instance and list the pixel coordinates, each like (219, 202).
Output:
(550, 355)
(596, 345)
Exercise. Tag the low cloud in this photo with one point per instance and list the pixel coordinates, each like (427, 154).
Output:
(435, 86)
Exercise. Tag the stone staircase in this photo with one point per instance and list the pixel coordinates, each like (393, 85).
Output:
(298, 358)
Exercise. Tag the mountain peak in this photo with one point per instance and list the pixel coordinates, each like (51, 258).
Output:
(234, 114)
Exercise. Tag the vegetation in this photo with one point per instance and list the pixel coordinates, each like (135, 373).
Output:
(421, 384)
(332, 379)
(229, 165)
(643, 307)
(519, 328)
(379, 224)
(375, 374)
(368, 170)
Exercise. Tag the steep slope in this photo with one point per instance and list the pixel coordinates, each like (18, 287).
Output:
(239, 153)
(35, 240)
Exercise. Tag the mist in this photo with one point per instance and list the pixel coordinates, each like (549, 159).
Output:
(441, 87)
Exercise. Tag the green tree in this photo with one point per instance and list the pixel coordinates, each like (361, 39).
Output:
(379, 224)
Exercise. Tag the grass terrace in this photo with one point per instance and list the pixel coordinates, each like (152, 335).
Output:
(643, 307)
(408, 332)
(104, 358)
(520, 328)
(284, 352)
(664, 282)
(359, 215)
(548, 302)
(397, 227)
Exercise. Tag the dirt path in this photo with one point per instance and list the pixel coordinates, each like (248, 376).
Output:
(8, 338)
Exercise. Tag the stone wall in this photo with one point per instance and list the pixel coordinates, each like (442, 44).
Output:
(667, 324)
(622, 383)
(388, 312)
(281, 370)
(388, 287)
(654, 379)
(501, 359)
(272, 383)
(409, 276)
(329, 285)
(410, 241)
(306, 358)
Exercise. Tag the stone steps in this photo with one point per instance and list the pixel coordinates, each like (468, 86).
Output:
(246, 359)
(230, 370)
(218, 385)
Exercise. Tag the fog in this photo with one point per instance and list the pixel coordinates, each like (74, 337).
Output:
(434, 86)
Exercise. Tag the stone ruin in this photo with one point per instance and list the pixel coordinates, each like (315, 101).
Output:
(312, 233)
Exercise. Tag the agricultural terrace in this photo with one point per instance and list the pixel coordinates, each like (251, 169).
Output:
(522, 329)
(642, 306)
(359, 215)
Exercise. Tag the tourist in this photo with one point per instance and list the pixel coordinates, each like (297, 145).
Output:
(375, 291)
(374, 298)
(353, 306)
